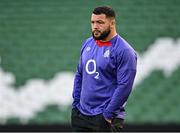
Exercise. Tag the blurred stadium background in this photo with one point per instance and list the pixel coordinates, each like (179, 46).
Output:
(40, 42)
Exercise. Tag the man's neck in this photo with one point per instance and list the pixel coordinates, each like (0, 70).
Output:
(109, 37)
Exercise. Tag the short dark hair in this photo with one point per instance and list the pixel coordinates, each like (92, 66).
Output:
(107, 10)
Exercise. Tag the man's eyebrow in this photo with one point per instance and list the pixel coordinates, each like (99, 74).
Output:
(97, 21)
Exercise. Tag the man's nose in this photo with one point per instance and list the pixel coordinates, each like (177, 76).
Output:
(95, 26)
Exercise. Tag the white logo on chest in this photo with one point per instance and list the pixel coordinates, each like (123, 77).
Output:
(88, 49)
(106, 54)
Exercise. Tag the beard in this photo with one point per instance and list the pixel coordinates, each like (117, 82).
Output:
(102, 35)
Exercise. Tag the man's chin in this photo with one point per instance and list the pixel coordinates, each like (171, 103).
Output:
(96, 37)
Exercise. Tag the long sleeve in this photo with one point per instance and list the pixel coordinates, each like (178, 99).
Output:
(78, 80)
(126, 71)
(77, 85)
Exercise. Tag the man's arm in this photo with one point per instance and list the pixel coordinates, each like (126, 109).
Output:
(77, 85)
(126, 71)
(78, 80)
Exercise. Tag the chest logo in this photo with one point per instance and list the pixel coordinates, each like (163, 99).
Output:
(88, 49)
(106, 54)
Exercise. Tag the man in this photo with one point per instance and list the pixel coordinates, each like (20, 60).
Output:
(104, 76)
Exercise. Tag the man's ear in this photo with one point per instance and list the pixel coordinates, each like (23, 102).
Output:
(113, 22)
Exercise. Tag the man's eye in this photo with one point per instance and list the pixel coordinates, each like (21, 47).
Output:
(100, 22)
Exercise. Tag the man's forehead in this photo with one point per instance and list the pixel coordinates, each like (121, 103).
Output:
(99, 16)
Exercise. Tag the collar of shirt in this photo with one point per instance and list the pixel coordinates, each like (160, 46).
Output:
(100, 43)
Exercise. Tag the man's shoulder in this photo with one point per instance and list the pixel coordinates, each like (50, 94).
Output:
(88, 40)
(121, 46)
